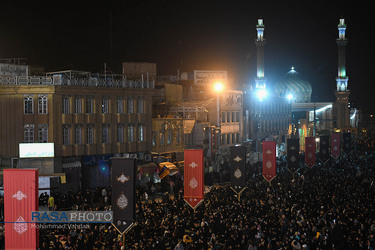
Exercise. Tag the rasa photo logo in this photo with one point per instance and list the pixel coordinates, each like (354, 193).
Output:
(72, 216)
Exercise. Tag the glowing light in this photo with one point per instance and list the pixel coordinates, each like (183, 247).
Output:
(261, 94)
(290, 97)
(324, 108)
(218, 86)
(353, 116)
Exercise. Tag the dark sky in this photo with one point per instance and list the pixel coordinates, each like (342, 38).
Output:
(188, 35)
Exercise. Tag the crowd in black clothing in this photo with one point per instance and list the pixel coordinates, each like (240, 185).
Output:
(329, 206)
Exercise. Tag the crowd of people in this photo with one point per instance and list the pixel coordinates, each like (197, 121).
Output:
(329, 206)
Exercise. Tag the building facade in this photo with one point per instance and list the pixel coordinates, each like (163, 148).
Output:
(82, 114)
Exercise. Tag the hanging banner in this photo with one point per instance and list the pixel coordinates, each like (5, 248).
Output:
(237, 168)
(324, 149)
(293, 155)
(20, 199)
(123, 193)
(347, 138)
(310, 149)
(269, 160)
(335, 145)
(193, 177)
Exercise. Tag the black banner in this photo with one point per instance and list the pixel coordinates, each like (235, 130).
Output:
(324, 153)
(347, 137)
(237, 168)
(293, 155)
(123, 193)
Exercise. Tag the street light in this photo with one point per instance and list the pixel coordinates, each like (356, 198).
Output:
(218, 87)
(261, 94)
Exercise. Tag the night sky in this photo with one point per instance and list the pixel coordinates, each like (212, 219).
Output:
(189, 35)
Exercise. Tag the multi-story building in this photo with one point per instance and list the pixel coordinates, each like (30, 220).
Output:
(88, 117)
(209, 120)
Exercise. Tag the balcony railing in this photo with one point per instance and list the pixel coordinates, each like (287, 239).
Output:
(58, 80)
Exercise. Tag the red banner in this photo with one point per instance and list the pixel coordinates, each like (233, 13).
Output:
(20, 199)
(310, 149)
(193, 177)
(269, 160)
(335, 145)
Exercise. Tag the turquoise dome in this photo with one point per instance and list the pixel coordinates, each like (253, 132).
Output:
(294, 86)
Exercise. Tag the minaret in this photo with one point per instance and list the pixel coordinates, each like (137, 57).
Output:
(342, 92)
(260, 81)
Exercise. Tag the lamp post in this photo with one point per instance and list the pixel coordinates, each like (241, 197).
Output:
(218, 87)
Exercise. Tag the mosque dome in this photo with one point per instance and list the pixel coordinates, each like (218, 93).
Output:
(293, 86)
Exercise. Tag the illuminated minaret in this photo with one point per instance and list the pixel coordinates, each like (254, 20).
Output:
(260, 81)
(342, 92)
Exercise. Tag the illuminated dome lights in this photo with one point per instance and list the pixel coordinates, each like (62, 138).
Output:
(294, 87)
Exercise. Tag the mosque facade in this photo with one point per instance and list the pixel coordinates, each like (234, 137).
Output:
(291, 101)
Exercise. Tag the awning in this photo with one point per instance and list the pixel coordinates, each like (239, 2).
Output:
(167, 168)
(169, 165)
(147, 168)
(188, 126)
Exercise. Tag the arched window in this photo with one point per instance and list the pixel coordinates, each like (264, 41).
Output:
(28, 104)
(140, 105)
(42, 104)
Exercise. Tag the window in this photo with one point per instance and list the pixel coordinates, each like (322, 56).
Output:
(169, 138)
(42, 104)
(130, 132)
(78, 135)
(105, 105)
(233, 116)
(237, 137)
(66, 135)
(28, 104)
(228, 138)
(233, 138)
(237, 116)
(178, 137)
(89, 105)
(120, 133)
(140, 105)
(90, 134)
(239, 99)
(28, 133)
(66, 105)
(43, 133)
(223, 116)
(154, 139)
(141, 133)
(161, 139)
(77, 105)
(130, 105)
(228, 116)
(120, 105)
(105, 133)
